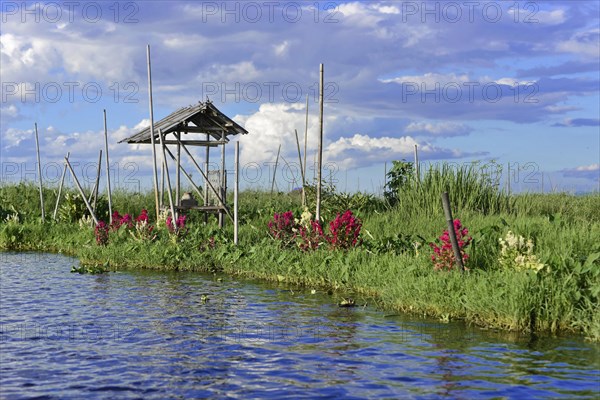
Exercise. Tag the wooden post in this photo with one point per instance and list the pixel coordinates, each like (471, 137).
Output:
(62, 181)
(164, 160)
(223, 188)
(152, 142)
(162, 185)
(305, 136)
(87, 203)
(301, 168)
(451, 232)
(178, 174)
(508, 178)
(97, 181)
(320, 160)
(206, 182)
(417, 170)
(384, 175)
(275, 169)
(107, 170)
(236, 190)
(39, 164)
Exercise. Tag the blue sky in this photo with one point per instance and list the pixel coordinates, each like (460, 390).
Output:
(513, 82)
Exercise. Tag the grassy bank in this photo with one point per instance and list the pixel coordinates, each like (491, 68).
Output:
(394, 261)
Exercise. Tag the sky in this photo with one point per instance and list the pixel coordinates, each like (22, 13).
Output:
(513, 84)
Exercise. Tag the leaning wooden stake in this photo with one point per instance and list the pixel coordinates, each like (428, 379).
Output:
(320, 154)
(305, 136)
(152, 142)
(451, 232)
(62, 181)
(37, 148)
(236, 190)
(164, 160)
(87, 203)
(275, 169)
(107, 170)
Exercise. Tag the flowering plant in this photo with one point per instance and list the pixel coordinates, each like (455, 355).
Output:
(443, 255)
(143, 229)
(344, 231)
(517, 253)
(311, 236)
(178, 228)
(119, 220)
(283, 227)
(101, 232)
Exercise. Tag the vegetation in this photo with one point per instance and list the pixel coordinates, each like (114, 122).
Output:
(533, 260)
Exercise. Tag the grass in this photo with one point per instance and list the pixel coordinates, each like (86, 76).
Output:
(400, 277)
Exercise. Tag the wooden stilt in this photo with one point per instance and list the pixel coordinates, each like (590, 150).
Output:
(275, 169)
(301, 169)
(223, 184)
(97, 184)
(305, 143)
(178, 174)
(451, 232)
(236, 190)
(206, 182)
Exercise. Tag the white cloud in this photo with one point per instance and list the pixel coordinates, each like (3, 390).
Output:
(439, 129)
(11, 111)
(586, 44)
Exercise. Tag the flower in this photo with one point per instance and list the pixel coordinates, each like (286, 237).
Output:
(517, 253)
(443, 255)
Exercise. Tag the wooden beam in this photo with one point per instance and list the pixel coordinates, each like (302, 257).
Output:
(107, 171)
(62, 181)
(154, 168)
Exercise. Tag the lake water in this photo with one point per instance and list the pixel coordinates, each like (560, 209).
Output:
(145, 334)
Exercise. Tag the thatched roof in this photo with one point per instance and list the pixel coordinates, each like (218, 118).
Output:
(202, 118)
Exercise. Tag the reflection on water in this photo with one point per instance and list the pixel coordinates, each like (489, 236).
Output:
(144, 334)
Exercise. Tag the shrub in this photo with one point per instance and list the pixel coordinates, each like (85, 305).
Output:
(283, 227)
(311, 236)
(101, 232)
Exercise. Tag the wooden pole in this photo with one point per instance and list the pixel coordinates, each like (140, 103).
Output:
(87, 203)
(107, 170)
(236, 190)
(97, 181)
(417, 170)
(301, 168)
(508, 178)
(39, 165)
(62, 181)
(152, 142)
(164, 160)
(305, 136)
(320, 160)
(451, 232)
(275, 169)
(162, 185)
(206, 182)
(223, 180)
(178, 174)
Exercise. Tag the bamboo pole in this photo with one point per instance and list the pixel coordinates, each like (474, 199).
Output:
(275, 169)
(152, 141)
(305, 135)
(451, 232)
(62, 181)
(236, 190)
(178, 174)
(162, 185)
(206, 182)
(97, 181)
(223, 180)
(107, 170)
(87, 203)
(164, 160)
(320, 160)
(39, 165)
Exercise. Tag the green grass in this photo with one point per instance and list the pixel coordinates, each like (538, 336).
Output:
(564, 228)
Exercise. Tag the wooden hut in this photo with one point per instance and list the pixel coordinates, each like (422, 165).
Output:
(197, 125)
